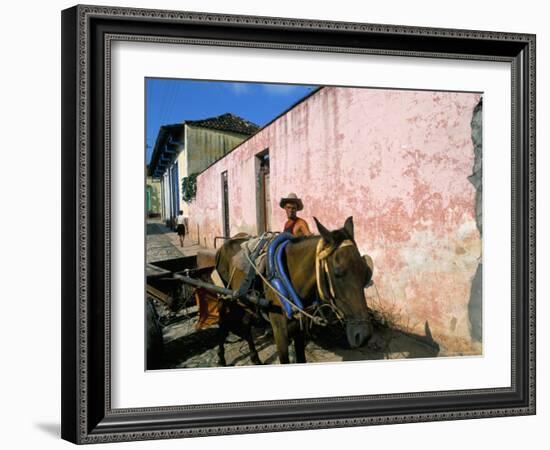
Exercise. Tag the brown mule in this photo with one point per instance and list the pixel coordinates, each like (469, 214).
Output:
(345, 273)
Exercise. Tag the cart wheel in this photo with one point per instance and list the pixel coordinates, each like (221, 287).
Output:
(155, 343)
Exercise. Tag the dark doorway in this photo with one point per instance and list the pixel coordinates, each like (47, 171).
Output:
(263, 208)
(174, 191)
(225, 205)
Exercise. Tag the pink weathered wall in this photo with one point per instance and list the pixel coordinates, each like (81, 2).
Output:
(398, 162)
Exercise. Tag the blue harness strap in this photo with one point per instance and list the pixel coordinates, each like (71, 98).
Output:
(277, 274)
(279, 239)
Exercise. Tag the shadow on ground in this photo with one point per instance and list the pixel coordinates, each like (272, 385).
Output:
(155, 228)
(199, 348)
(189, 346)
(385, 343)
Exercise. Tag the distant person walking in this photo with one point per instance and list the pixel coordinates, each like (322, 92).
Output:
(180, 227)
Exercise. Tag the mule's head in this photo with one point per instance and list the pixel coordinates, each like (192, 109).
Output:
(349, 274)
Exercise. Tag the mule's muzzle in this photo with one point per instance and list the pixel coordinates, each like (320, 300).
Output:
(357, 332)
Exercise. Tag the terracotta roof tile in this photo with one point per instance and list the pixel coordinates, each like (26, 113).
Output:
(226, 122)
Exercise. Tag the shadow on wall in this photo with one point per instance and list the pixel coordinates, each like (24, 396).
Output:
(475, 311)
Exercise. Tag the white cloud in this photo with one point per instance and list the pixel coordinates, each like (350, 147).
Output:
(239, 88)
(280, 89)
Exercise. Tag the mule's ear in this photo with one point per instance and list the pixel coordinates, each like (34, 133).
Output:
(348, 226)
(370, 270)
(325, 234)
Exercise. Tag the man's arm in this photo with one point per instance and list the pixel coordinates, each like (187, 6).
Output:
(302, 228)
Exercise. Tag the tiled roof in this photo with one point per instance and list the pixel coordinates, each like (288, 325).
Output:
(226, 122)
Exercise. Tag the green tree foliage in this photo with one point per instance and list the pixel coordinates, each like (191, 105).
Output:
(189, 187)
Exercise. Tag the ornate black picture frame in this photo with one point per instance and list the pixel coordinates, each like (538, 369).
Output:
(87, 34)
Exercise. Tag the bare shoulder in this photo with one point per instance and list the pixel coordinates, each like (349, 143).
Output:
(303, 226)
(305, 223)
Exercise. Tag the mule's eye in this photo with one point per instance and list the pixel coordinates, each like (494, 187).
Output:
(339, 272)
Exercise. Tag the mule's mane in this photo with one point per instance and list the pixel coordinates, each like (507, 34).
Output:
(305, 238)
(337, 237)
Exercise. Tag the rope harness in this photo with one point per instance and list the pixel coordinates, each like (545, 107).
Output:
(325, 287)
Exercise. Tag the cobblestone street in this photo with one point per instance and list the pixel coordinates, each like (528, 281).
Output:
(187, 347)
(163, 243)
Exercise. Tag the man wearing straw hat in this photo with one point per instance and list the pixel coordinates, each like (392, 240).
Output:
(294, 225)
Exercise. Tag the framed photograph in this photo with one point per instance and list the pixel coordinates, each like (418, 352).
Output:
(281, 224)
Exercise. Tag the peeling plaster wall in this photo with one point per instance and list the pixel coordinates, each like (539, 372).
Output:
(398, 162)
(206, 211)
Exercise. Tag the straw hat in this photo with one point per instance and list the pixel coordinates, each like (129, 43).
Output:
(292, 198)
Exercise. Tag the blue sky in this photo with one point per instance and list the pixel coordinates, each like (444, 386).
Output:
(173, 101)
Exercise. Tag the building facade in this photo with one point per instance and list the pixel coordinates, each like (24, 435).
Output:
(153, 197)
(184, 150)
(400, 163)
